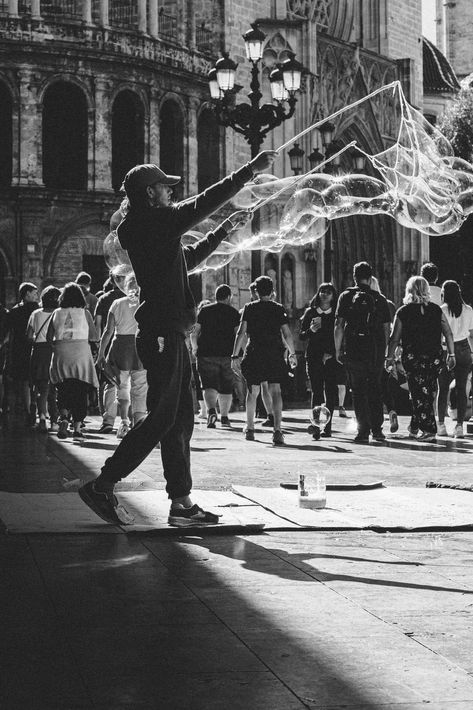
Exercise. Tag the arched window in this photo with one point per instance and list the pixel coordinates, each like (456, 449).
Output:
(128, 135)
(208, 141)
(6, 138)
(171, 141)
(65, 137)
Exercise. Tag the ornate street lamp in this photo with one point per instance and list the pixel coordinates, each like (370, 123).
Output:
(296, 154)
(253, 121)
(327, 131)
(315, 158)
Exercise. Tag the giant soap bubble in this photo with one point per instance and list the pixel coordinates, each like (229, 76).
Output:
(417, 181)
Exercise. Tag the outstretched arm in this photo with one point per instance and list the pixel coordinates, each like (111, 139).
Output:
(196, 253)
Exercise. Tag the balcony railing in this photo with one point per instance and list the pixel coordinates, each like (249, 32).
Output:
(123, 13)
(71, 9)
(205, 39)
(167, 25)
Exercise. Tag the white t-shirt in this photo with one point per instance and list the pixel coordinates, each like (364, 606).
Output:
(123, 311)
(462, 325)
(70, 324)
(435, 294)
(37, 322)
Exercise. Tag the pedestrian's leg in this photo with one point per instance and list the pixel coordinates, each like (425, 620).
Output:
(462, 370)
(359, 385)
(79, 392)
(316, 378)
(251, 397)
(375, 397)
(331, 390)
(444, 380)
(139, 388)
(109, 404)
(276, 404)
(225, 402)
(267, 400)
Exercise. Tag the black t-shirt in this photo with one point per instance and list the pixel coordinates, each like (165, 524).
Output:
(322, 341)
(421, 328)
(373, 345)
(263, 324)
(16, 324)
(105, 301)
(217, 335)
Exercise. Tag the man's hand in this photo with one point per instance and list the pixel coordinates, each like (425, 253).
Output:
(263, 161)
(236, 220)
(235, 362)
(339, 357)
(100, 362)
(160, 343)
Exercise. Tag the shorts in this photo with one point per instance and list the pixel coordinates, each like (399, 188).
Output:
(341, 374)
(216, 373)
(264, 366)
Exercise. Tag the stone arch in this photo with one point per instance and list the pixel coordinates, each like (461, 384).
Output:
(128, 134)
(65, 133)
(208, 149)
(69, 79)
(6, 134)
(171, 140)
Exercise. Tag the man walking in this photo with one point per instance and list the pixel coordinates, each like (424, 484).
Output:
(362, 321)
(151, 232)
(212, 342)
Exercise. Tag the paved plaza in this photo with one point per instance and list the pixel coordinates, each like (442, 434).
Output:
(278, 620)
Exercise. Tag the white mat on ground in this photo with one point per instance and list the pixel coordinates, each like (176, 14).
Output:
(386, 508)
(66, 513)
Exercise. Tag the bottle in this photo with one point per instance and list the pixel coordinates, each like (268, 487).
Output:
(312, 491)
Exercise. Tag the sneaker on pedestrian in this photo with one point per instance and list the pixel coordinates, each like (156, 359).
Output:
(342, 412)
(458, 432)
(103, 503)
(278, 438)
(426, 436)
(249, 434)
(326, 433)
(41, 426)
(442, 429)
(378, 436)
(63, 429)
(225, 421)
(211, 419)
(362, 439)
(123, 429)
(269, 422)
(181, 517)
(393, 422)
(413, 433)
(78, 435)
(106, 428)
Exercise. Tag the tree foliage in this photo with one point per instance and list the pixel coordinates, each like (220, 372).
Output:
(456, 124)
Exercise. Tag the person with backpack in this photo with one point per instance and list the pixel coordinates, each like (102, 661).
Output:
(362, 324)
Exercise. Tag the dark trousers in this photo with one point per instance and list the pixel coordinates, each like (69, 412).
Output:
(72, 395)
(170, 419)
(323, 383)
(422, 372)
(460, 372)
(365, 382)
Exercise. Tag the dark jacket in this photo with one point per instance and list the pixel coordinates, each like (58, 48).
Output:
(152, 238)
(322, 341)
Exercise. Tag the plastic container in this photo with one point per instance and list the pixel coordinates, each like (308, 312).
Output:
(312, 491)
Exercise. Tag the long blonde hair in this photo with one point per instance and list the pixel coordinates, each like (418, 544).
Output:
(417, 291)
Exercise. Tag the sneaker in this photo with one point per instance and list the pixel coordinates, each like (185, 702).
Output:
(458, 432)
(211, 419)
(106, 428)
(269, 422)
(362, 439)
(393, 422)
(314, 430)
(41, 427)
(123, 429)
(326, 433)
(378, 436)
(442, 429)
(78, 436)
(342, 412)
(102, 503)
(426, 436)
(278, 438)
(413, 433)
(225, 421)
(182, 517)
(62, 431)
(249, 434)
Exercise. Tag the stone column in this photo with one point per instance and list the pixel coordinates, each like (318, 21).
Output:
(153, 138)
(191, 148)
(142, 23)
(13, 8)
(104, 13)
(103, 135)
(36, 9)
(153, 18)
(87, 11)
(30, 119)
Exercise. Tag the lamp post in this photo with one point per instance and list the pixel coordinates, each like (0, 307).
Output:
(253, 120)
(296, 154)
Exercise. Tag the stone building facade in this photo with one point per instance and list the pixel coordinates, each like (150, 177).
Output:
(90, 87)
(454, 30)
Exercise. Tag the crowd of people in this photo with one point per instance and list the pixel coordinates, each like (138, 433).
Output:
(140, 348)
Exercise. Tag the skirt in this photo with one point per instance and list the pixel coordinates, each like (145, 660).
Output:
(122, 354)
(40, 362)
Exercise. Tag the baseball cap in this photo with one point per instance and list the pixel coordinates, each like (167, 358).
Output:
(148, 174)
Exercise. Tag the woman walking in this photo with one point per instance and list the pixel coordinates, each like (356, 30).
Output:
(460, 320)
(317, 326)
(41, 354)
(71, 330)
(123, 358)
(419, 325)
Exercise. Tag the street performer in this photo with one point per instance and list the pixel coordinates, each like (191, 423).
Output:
(151, 232)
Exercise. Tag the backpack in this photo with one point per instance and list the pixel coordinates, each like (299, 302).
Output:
(361, 320)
